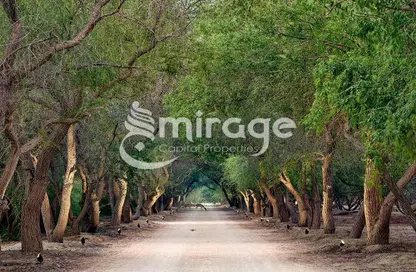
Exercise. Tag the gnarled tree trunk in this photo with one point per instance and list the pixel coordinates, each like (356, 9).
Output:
(31, 237)
(120, 192)
(151, 200)
(303, 213)
(59, 231)
(380, 230)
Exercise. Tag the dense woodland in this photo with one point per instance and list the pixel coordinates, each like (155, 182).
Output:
(344, 70)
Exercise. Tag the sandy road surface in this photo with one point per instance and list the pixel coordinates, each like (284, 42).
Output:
(219, 242)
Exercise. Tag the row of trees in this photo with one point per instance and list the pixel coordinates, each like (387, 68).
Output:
(67, 71)
(343, 70)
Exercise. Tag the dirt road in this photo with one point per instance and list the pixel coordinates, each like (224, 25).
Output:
(213, 240)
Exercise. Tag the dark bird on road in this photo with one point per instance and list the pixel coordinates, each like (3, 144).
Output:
(261, 219)
(119, 231)
(288, 227)
(268, 221)
(39, 258)
(147, 221)
(246, 216)
(306, 231)
(138, 225)
(192, 229)
(170, 212)
(342, 243)
(82, 240)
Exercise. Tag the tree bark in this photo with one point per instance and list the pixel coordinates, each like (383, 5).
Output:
(303, 213)
(120, 194)
(380, 233)
(140, 201)
(405, 205)
(31, 237)
(152, 198)
(359, 224)
(268, 191)
(86, 191)
(284, 215)
(59, 231)
(372, 202)
(256, 204)
(327, 182)
(127, 216)
(47, 218)
(246, 200)
(316, 203)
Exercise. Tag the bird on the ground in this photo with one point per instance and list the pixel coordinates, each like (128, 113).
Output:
(238, 211)
(119, 231)
(138, 225)
(245, 213)
(147, 221)
(39, 258)
(306, 231)
(246, 216)
(192, 229)
(289, 227)
(170, 212)
(251, 217)
(82, 240)
(261, 219)
(268, 221)
(342, 243)
(163, 217)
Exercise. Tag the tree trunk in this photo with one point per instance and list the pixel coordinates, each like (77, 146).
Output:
(152, 198)
(127, 216)
(359, 224)
(47, 216)
(303, 213)
(405, 205)
(305, 192)
(31, 237)
(256, 204)
(327, 182)
(95, 207)
(268, 192)
(59, 231)
(372, 203)
(86, 191)
(284, 215)
(97, 195)
(316, 203)
(169, 208)
(9, 170)
(120, 192)
(380, 233)
(246, 200)
(140, 202)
